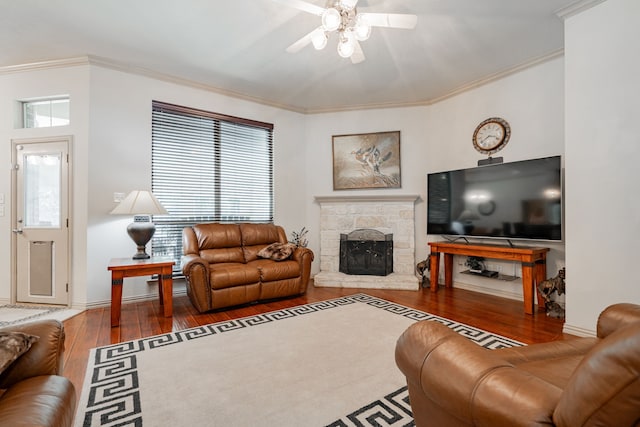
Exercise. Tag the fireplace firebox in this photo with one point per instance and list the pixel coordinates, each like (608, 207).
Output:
(366, 252)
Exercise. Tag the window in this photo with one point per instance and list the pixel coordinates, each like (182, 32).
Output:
(46, 112)
(207, 167)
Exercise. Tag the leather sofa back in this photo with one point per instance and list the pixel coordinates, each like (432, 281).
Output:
(219, 243)
(215, 243)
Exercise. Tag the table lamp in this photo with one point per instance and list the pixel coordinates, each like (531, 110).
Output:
(141, 204)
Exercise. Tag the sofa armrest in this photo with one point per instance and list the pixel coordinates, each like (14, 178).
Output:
(192, 264)
(468, 382)
(302, 255)
(616, 316)
(45, 357)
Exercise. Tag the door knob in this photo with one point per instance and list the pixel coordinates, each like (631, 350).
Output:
(17, 230)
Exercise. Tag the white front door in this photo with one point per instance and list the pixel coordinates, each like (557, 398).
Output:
(41, 220)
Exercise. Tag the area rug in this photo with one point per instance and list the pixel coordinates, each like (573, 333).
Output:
(12, 314)
(328, 363)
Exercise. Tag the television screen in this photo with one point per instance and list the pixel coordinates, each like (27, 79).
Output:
(517, 200)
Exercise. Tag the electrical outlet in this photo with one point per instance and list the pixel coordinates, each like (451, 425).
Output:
(118, 197)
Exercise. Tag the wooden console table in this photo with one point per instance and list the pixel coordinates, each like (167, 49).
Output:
(127, 267)
(533, 260)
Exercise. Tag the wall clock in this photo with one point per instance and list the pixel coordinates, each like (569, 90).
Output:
(487, 208)
(491, 135)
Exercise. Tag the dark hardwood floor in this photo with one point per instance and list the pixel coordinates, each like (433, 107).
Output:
(498, 315)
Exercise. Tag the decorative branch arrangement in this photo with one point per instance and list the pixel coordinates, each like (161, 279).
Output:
(299, 238)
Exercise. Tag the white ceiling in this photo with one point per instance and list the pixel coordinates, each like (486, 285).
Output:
(239, 45)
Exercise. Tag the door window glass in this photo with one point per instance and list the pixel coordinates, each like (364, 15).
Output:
(42, 190)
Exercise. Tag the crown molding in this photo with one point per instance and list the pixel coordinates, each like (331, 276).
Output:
(500, 75)
(465, 88)
(576, 8)
(45, 65)
(132, 69)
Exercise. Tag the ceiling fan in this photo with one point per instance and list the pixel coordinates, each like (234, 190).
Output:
(352, 27)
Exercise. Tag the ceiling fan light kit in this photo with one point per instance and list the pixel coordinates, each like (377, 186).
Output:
(352, 27)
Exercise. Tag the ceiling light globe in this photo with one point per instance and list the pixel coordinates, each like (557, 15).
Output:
(346, 47)
(319, 41)
(331, 19)
(362, 30)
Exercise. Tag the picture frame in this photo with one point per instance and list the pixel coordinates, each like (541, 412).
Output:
(366, 161)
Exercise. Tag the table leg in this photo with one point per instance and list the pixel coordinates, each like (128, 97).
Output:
(166, 296)
(435, 267)
(448, 270)
(117, 278)
(527, 287)
(540, 276)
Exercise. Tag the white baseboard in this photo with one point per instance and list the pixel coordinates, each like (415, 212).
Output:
(489, 291)
(575, 330)
(125, 300)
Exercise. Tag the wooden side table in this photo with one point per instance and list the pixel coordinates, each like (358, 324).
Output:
(127, 267)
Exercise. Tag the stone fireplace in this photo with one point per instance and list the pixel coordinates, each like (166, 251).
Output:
(387, 214)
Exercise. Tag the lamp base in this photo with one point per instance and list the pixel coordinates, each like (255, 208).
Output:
(141, 233)
(141, 254)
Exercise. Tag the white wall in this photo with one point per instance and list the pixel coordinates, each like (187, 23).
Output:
(70, 80)
(602, 57)
(438, 137)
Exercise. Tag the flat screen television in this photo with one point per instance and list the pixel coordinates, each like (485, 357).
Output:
(516, 200)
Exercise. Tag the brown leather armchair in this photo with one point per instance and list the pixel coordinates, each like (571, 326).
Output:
(223, 268)
(32, 391)
(578, 382)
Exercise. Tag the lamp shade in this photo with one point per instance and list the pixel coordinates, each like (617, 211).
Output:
(139, 202)
(141, 230)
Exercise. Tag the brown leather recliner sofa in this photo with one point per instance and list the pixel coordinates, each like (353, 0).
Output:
(577, 382)
(222, 266)
(32, 391)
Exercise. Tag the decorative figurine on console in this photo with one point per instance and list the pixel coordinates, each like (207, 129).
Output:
(422, 268)
(550, 286)
(475, 264)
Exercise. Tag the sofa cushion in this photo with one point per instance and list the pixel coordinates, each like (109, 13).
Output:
(228, 275)
(277, 251)
(270, 271)
(219, 242)
(259, 234)
(12, 346)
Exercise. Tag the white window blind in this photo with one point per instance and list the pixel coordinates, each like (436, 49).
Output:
(207, 167)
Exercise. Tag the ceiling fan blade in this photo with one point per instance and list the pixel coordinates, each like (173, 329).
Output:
(304, 41)
(303, 6)
(358, 55)
(391, 20)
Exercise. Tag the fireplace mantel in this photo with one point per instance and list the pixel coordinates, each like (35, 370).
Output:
(371, 198)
